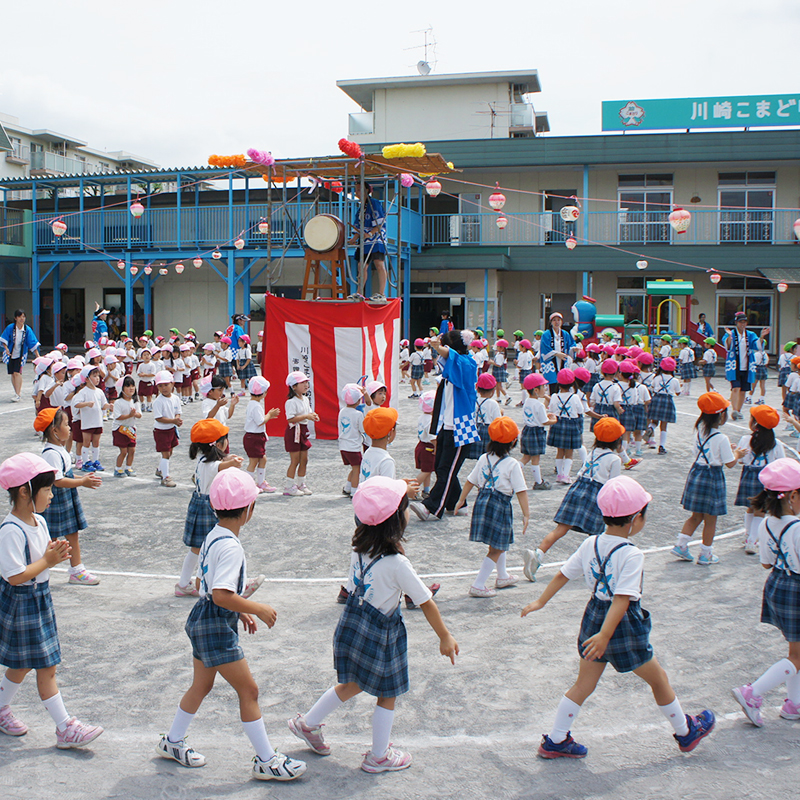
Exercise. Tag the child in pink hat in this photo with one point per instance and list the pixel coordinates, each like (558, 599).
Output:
(536, 417)
(487, 409)
(612, 568)
(500, 370)
(351, 434)
(664, 388)
(417, 363)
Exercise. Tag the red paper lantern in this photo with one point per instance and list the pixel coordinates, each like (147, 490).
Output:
(782, 287)
(148, 269)
(501, 222)
(216, 255)
(239, 243)
(497, 199)
(571, 242)
(179, 268)
(263, 225)
(59, 228)
(198, 262)
(137, 209)
(120, 264)
(715, 278)
(680, 219)
(433, 187)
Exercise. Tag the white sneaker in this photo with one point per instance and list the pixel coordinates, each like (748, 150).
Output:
(420, 510)
(190, 590)
(751, 548)
(180, 752)
(293, 491)
(391, 762)
(530, 564)
(251, 587)
(278, 768)
(303, 487)
(16, 398)
(475, 591)
(504, 583)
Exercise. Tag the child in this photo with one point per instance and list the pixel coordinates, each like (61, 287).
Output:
(762, 363)
(486, 411)
(791, 401)
(380, 425)
(632, 416)
(578, 510)
(167, 420)
(404, 360)
(245, 368)
(615, 629)
(215, 405)
(427, 358)
(498, 477)
(213, 626)
(28, 635)
(785, 366)
(225, 360)
(425, 451)
(180, 374)
(779, 546)
(45, 384)
(351, 435)
(664, 387)
(123, 429)
(500, 369)
(760, 448)
(209, 360)
(90, 404)
(64, 515)
(606, 398)
(295, 438)
(146, 373)
(369, 645)
(534, 412)
(536, 347)
(709, 362)
(255, 432)
(566, 434)
(704, 492)
(665, 351)
(687, 367)
(416, 361)
(524, 367)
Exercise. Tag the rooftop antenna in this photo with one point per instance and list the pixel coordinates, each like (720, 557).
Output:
(429, 44)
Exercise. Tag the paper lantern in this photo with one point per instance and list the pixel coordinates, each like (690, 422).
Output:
(570, 213)
(216, 255)
(715, 278)
(179, 268)
(59, 228)
(239, 243)
(263, 225)
(163, 271)
(137, 209)
(198, 262)
(433, 187)
(134, 270)
(501, 222)
(571, 242)
(680, 219)
(796, 227)
(406, 180)
(782, 287)
(641, 265)
(497, 199)
(148, 270)
(120, 264)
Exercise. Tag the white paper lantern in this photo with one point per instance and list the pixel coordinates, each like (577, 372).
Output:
(497, 199)
(796, 227)
(239, 243)
(216, 255)
(137, 209)
(163, 271)
(433, 187)
(263, 225)
(571, 243)
(501, 222)
(641, 264)
(120, 264)
(782, 287)
(134, 270)
(148, 270)
(715, 278)
(179, 268)
(198, 262)
(59, 228)
(570, 213)
(680, 219)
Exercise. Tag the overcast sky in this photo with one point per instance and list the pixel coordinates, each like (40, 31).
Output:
(177, 81)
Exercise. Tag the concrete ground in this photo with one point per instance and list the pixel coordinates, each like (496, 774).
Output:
(473, 728)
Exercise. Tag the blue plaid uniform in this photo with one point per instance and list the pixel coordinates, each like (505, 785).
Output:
(749, 483)
(417, 372)
(628, 416)
(780, 605)
(492, 519)
(593, 381)
(783, 374)
(704, 491)
(639, 417)
(629, 646)
(662, 406)
(28, 633)
(523, 373)
(709, 370)
(245, 373)
(370, 647)
(476, 449)
(200, 520)
(567, 433)
(533, 441)
(688, 370)
(762, 372)
(579, 507)
(64, 515)
(604, 407)
(225, 369)
(213, 630)
(792, 402)
(500, 373)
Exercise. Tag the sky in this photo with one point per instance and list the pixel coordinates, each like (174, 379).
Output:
(175, 81)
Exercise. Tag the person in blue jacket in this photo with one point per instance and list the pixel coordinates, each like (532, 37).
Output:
(555, 347)
(18, 339)
(703, 328)
(99, 324)
(740, 360)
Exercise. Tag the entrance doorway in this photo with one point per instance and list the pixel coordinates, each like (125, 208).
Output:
(73, 320)
(426, 312)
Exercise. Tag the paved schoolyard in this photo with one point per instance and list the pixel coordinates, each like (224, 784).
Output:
(473, 728)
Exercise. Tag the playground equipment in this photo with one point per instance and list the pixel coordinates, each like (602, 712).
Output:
(667, 291)
(590, 323)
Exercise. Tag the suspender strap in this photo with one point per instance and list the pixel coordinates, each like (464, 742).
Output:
(602, 563)
(781, 559)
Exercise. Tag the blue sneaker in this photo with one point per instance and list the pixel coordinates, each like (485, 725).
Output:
(569, 748)
(682, 553)
(88, 466)
(704, 561)
(699, 727)
(98, 467)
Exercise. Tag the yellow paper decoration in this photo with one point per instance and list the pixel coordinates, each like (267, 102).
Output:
(404, 150)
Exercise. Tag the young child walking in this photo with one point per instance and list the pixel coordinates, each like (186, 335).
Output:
(146, 374)
(762, 373)
(123, 429)
(566, 434)
(255, 432)
(500, 370)
(417, 362)
(533, 441)
(425, 451)
(487, 409)
(213, 626)
(369, 644)
(351, 435)
(28, 635)
(688, 371)
(663, 389)
(524, 367)
(779, 548)
(785, 366)
(498, 478)
(295, 438)
(90, 403)
(634, 399)
(704, 492)
(615, 629)
(709, 362)
(167, 420)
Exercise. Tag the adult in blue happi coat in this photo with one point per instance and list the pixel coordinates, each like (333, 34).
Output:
(740, 360)
(17, 340)
(555, 347)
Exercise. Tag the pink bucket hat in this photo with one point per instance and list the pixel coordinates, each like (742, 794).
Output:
(526, 343)
(668, 364)
(61, 346)
(645, 358)
(628, 367)
(373, 387)
(244, 338)
(582, 374)
(593, 348)
(110, 360)
(419, 343)
(19, 469)
(225, 339)
(208, 346)
(257, 385)
(533, 380)
(167, 348)
(231, 489)
(565, 377)
(93, 353)
(609, 349)
(204, 387)
(89, 368)
(501, 343)
(634, 351)
(782, 475)
(351, 393)
(58, 366)
(609, 367)
(621, 497)
(486, 381)
(375, 499)
(185, 348)
(77, 380)
(293, 378)
(426, 402)
(476, 343)
(622, 351)
(165, 376)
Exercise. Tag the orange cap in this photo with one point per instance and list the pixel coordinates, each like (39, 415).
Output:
(208, 431)
(712, 403)
(503, 429)
(608, 429)
(795, 361)
(44, 419)
(379, 422)
(765, 416)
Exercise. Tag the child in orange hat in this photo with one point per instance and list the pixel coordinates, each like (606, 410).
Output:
(704, 493)
(498, 477)
(791, 402)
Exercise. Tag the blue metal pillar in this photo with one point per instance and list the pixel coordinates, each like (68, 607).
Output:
(56, 304)
(128, 216)
(486, 302)
(35, 293)
(147, 285)
(407, 297)
(128, 295)
(246, 283)
(231, 284)
(178, 212)
(585, 222)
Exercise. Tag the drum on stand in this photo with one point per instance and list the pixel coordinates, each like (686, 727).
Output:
(324, 233)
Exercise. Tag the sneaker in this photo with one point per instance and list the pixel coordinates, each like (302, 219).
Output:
(748, 400)
(278, 768)
(531, 563)
(508, 401)
(303, 487)
(789, 710)
(420, 510)
(83, 578)
(542, 486)
(341, 598)
(10, 725)
(76, 734)
(168, 482)
(158, 473)
(569, 748)
(251, 587)
(79, 464)
(475, 591)
(411, 605)
(504, 583)
(682, 553)
(633, 462)
(181, 752)
(311, 736)
(699, 727)
(130, 472)
(267, 488)
(704, 561)
(378, 297)
(651, 443)
(751, 548)
(119, 473)
(16, 398)
(391, 762)
(649, 433)
(662, 451)
(760, 401)
(88, 466)
(750, 703)
(98, 467)
(293, 491)
(190, 590)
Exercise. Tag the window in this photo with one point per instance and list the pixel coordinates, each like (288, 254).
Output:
(746, 214)
(644, 208)
(631, 300)
(754, 296)
(654, 179)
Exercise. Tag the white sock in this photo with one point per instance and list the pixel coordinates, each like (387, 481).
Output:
(483, 574)
(95, 454)
(675, 716)
(257, 734)
(683, 540)
(537, 473)
(179, 725)
(662, 439)
(624, 454)
(582, 454)
(751, 528)
(559, 467)
(327, 704)
(705, 550)
(164, 467)
(348, 487)
(382, 719)
(76, 569)
(55, 707)
(793, 688)
(260, 474)
(639, 447)
(567, 462)
(566, 714)
(502, 572)
(8, 690)
(187, 570)
(289, 483)
(776, 675)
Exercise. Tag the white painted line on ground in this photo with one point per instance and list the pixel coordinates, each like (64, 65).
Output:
(13, 410)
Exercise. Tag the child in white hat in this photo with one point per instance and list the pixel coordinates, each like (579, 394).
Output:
(255, 432)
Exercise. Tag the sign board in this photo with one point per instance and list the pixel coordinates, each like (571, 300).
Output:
(753, 111)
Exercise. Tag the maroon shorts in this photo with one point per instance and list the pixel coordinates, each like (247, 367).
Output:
(165, 440)
(255, 444)
(424, 457)
(146, 389)
(76, 430)
(427, 366)
(207, 373)
(119, 439)
(291, 445)
(44, 403)
(404, 365)
(128, 367)
(111, 393)
(68, 411)
(195, 376)
(91, 431)
(350, 458)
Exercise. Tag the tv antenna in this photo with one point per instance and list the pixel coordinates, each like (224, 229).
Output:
(424, 65)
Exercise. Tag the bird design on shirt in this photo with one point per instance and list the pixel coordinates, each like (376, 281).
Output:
(528, 414)
(365, 472)
(361, 582)
(345, 423)
(603, 581)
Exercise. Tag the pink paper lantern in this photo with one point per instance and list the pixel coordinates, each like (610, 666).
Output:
(715, 278)
(406, 180)
(433, 187)
(796, 228)
(782, 287)
(198, 262)
(134, 270)
(501, 222)
(216, 255)
(120, 264)
(179, 268)
(148, 270)
(137, 209)
(497, 199)
(571, 242)
(163, 271)
(59, 228)
(263, 225)
(680, 219)
(239, 243)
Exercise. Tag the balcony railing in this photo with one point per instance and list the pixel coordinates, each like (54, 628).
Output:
(20, 154)
(52, 162)
(621, 227)
(11, 228)
(361, 123)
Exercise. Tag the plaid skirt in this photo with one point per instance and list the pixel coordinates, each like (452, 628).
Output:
(593, 381)
(749, 485)
(704, 491)
(28, 633)
(500, 374)
(688, 371)
(662, 408)
(791, 402)
(629, 646)
(492, 519)
(214, 633)
(533, 441)
(783, 374)
(761, 372)
(245, 373)
(609, 409)
(64, 515)
(225, 369)
(628, 418)
(639, 417)
(200, 519)
(476, 449)
(417, 371)
(522, 374)
(566, 434)
(579, 508)
(370, 649)
(780, 605)
(709, 370)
